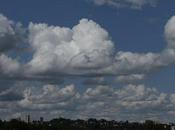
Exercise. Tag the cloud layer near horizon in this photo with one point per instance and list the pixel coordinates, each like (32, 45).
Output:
(98, 102)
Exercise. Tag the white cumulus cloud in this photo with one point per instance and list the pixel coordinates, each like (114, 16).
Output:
(60, 49)
(85, 49)
(9, 66)
(170, 32)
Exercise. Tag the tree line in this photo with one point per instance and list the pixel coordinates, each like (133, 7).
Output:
(90, 124)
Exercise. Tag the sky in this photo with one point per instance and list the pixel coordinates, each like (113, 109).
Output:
(111, 59)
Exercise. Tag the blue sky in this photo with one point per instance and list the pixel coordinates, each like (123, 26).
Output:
(135, 32)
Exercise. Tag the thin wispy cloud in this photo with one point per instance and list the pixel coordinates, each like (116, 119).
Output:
(133, 4)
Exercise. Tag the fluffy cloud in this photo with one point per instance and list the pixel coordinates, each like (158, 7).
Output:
(8, 66)
(9, 34)
(51, 97)
(87, 49)
(128, 63)
(84, 50)
(135, 4)
(99, 102)
(57, 48)
(130, 98)
(85, 46)
(170, 32)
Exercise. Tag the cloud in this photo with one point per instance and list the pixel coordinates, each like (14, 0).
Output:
(9, 34)
(95, 81)
(129, 62)
(52, 97)
(86, 49)
(8, 66)
(131, 98)
(63, 50)
(134, 4)
(127, 79)
(172, 97)
(142, 102)
(8, 96)
(56, 48)
(170, 32)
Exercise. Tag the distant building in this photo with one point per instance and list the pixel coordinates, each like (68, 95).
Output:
(41, 119)
(28, 118)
